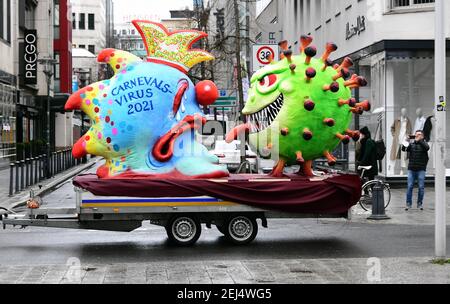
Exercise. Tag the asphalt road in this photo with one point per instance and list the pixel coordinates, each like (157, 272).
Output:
(285, 239)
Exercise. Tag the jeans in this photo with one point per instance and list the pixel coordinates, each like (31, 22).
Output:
(412, 177)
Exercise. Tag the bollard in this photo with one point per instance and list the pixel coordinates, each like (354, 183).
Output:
(54, 163)
(378, 211)
(31, 171)
(36, 160)
(22, 177)
(11, 179)
(27, 172)
(40, 168)
(17, 176)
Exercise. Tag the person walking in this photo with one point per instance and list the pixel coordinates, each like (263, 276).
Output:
(418, 161)
(368, 154)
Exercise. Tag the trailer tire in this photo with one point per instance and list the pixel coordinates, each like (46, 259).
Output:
(241, 229)
(184, 230)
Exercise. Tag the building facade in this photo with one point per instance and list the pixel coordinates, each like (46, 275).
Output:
(392, 45)
(29, 31)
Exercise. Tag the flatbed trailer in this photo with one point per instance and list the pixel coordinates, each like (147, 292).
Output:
(181, 216)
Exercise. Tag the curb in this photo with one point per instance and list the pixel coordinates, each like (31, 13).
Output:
(50, 186)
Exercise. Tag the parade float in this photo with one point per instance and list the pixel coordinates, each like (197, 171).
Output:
(143, 124)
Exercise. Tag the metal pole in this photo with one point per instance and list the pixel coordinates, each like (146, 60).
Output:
(47, 158)
(40, 167)
(22, 180)
(11, 179)
(239, 76)
(32, 171)
(27, 174)
(36, 167)
(17, 176)
(440, 131)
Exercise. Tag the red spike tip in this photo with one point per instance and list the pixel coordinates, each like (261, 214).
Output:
(330, 48)
(334, 87)
(329, 122)
(307, 134)
(310, 74)
(305, 41)
(309, 105)
(310, 52)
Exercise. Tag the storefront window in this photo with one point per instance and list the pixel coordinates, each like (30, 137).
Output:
(409, 106)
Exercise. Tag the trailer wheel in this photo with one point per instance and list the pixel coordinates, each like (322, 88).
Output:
(241, 229)
(184, 230)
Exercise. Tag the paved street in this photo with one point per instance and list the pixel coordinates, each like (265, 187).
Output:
(290, 251)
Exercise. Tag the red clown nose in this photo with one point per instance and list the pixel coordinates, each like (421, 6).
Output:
(206, 92)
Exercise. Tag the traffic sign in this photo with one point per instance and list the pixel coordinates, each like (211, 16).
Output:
(262, 54)
(225, 102)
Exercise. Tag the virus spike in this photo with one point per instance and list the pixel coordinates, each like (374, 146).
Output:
(351, 102)
(79, 148)
(330, 48)
(330, 158)
(84, 99)
(309, 105)
(300, 159)
(307, 134)
(283, 47)
(117, 59)
(334, 87)
(365, 105)
(278, 169)
(305, 41)
(327, 64)
(234, 134)
(357, 110)
(355, 135)
(345, 139)
(356, 82)
(329, 122)
(292, 67)
(307, 168)
(346, 64)
(270, 59)
(310, 52)
(336, 66)
(288, 55)
(284, 131)
(310, 74)
(344, 73)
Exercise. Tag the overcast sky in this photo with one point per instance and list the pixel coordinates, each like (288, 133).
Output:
(154, 10)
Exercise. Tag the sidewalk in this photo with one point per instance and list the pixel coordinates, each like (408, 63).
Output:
(396, 209)
(46, 185)
(273, 271)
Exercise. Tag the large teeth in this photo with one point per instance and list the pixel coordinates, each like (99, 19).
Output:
(264, 118)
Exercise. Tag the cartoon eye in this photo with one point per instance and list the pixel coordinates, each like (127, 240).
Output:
(268, 81)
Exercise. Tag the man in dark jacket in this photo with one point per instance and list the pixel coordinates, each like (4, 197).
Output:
(368, 154)
(418, 161)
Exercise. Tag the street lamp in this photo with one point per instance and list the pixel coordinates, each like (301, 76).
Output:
(48, 65)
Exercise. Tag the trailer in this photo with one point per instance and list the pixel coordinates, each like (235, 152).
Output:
(181, 216)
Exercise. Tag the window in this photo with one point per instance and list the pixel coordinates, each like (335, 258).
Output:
(91, 21)
(91, 48)
(74, 21)
(5, 20)
(82, 22)
(57, 74)
(56, 26)
(124, 32)
(82, 46)
(411, 3)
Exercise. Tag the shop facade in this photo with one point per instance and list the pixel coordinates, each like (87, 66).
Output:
(392, 45)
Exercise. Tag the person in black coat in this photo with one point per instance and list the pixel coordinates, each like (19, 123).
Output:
(418, 161)
(368, 154)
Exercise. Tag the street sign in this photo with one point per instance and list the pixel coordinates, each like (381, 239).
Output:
(262, 54)
(225, 102)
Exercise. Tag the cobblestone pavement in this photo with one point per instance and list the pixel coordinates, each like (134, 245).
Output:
(298, 271)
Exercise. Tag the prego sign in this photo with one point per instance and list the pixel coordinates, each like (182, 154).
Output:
(30, 57)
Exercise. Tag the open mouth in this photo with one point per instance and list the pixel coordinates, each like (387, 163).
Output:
(163, 148)
(261, 120)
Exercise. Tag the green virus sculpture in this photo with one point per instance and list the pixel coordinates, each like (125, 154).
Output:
(306, 102)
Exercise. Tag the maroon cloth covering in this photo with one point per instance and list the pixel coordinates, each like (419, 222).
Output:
(333, 195)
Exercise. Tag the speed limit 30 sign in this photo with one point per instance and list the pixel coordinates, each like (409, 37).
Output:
(262, 54)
